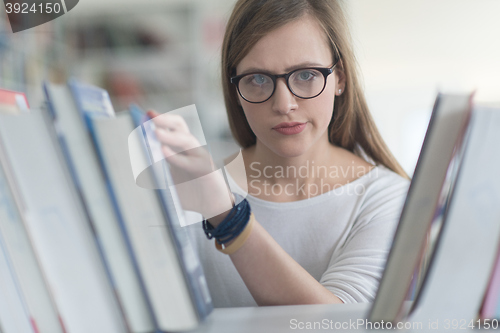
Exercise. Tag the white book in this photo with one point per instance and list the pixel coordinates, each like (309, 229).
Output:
(59, 230)
(144, 221)
(467, 248)
(24, 261)
(83, 158)
(442, 142)
(14, 316)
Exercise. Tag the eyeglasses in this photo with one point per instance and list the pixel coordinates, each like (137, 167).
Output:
(304, 83)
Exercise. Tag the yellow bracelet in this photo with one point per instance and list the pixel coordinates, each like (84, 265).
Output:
(238, 241)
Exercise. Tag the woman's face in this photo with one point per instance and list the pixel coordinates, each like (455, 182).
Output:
(295, 45)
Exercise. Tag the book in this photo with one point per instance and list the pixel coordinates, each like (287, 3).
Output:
(465, 254)
(143, 219)
(25, 263)
(491, 305)
(173, 213)
(56, 221)
(89, 178)
(13, 102)
(443, 140)
(14, 315)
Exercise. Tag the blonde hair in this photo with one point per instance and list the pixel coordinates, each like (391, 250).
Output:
(352, 126)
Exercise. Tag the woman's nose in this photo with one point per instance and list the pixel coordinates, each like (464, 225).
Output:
(283, 100)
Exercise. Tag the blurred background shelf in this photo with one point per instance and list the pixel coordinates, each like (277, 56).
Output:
(160, 54)
(153, 53)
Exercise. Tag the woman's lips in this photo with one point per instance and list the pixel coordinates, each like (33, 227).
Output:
(290, 128)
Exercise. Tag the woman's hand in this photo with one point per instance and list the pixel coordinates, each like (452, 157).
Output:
(200, 187)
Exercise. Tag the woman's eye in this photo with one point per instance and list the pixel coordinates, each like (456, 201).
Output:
(259, 79)
(305, 75)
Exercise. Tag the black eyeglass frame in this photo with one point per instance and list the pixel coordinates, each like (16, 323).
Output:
(323, 70)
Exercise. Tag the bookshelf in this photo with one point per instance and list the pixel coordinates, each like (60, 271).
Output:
(163, 55)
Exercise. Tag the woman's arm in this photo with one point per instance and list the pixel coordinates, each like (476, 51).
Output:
(275, 278)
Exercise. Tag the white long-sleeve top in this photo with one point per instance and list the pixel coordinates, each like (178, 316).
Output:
(341, 237)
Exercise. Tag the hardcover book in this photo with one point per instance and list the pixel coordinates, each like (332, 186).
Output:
(421, 216)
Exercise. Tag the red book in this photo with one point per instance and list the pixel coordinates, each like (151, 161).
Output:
(13, 102)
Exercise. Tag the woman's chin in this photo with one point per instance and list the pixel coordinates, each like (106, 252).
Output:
(289, 151)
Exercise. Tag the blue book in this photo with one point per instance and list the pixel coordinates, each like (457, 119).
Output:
(189, 260)
(91, 100)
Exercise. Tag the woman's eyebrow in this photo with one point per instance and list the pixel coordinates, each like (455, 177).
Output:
(289, 69)
(304, 65)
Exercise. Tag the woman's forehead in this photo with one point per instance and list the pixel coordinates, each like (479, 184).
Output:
(298, 42)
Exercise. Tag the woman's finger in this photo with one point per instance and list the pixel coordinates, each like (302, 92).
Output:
(152, 114)
(171, 122)
(188, 167)
(172, 157)
(178, 142)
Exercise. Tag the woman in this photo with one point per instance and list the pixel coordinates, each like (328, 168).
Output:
(324, 190)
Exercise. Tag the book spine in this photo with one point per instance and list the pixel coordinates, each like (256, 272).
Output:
(191, 266)
(491, 305)
(123, 228)
(188, 260)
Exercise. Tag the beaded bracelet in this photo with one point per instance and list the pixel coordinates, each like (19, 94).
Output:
(232, 225)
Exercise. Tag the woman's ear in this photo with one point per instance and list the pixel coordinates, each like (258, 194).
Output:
(340, 78)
